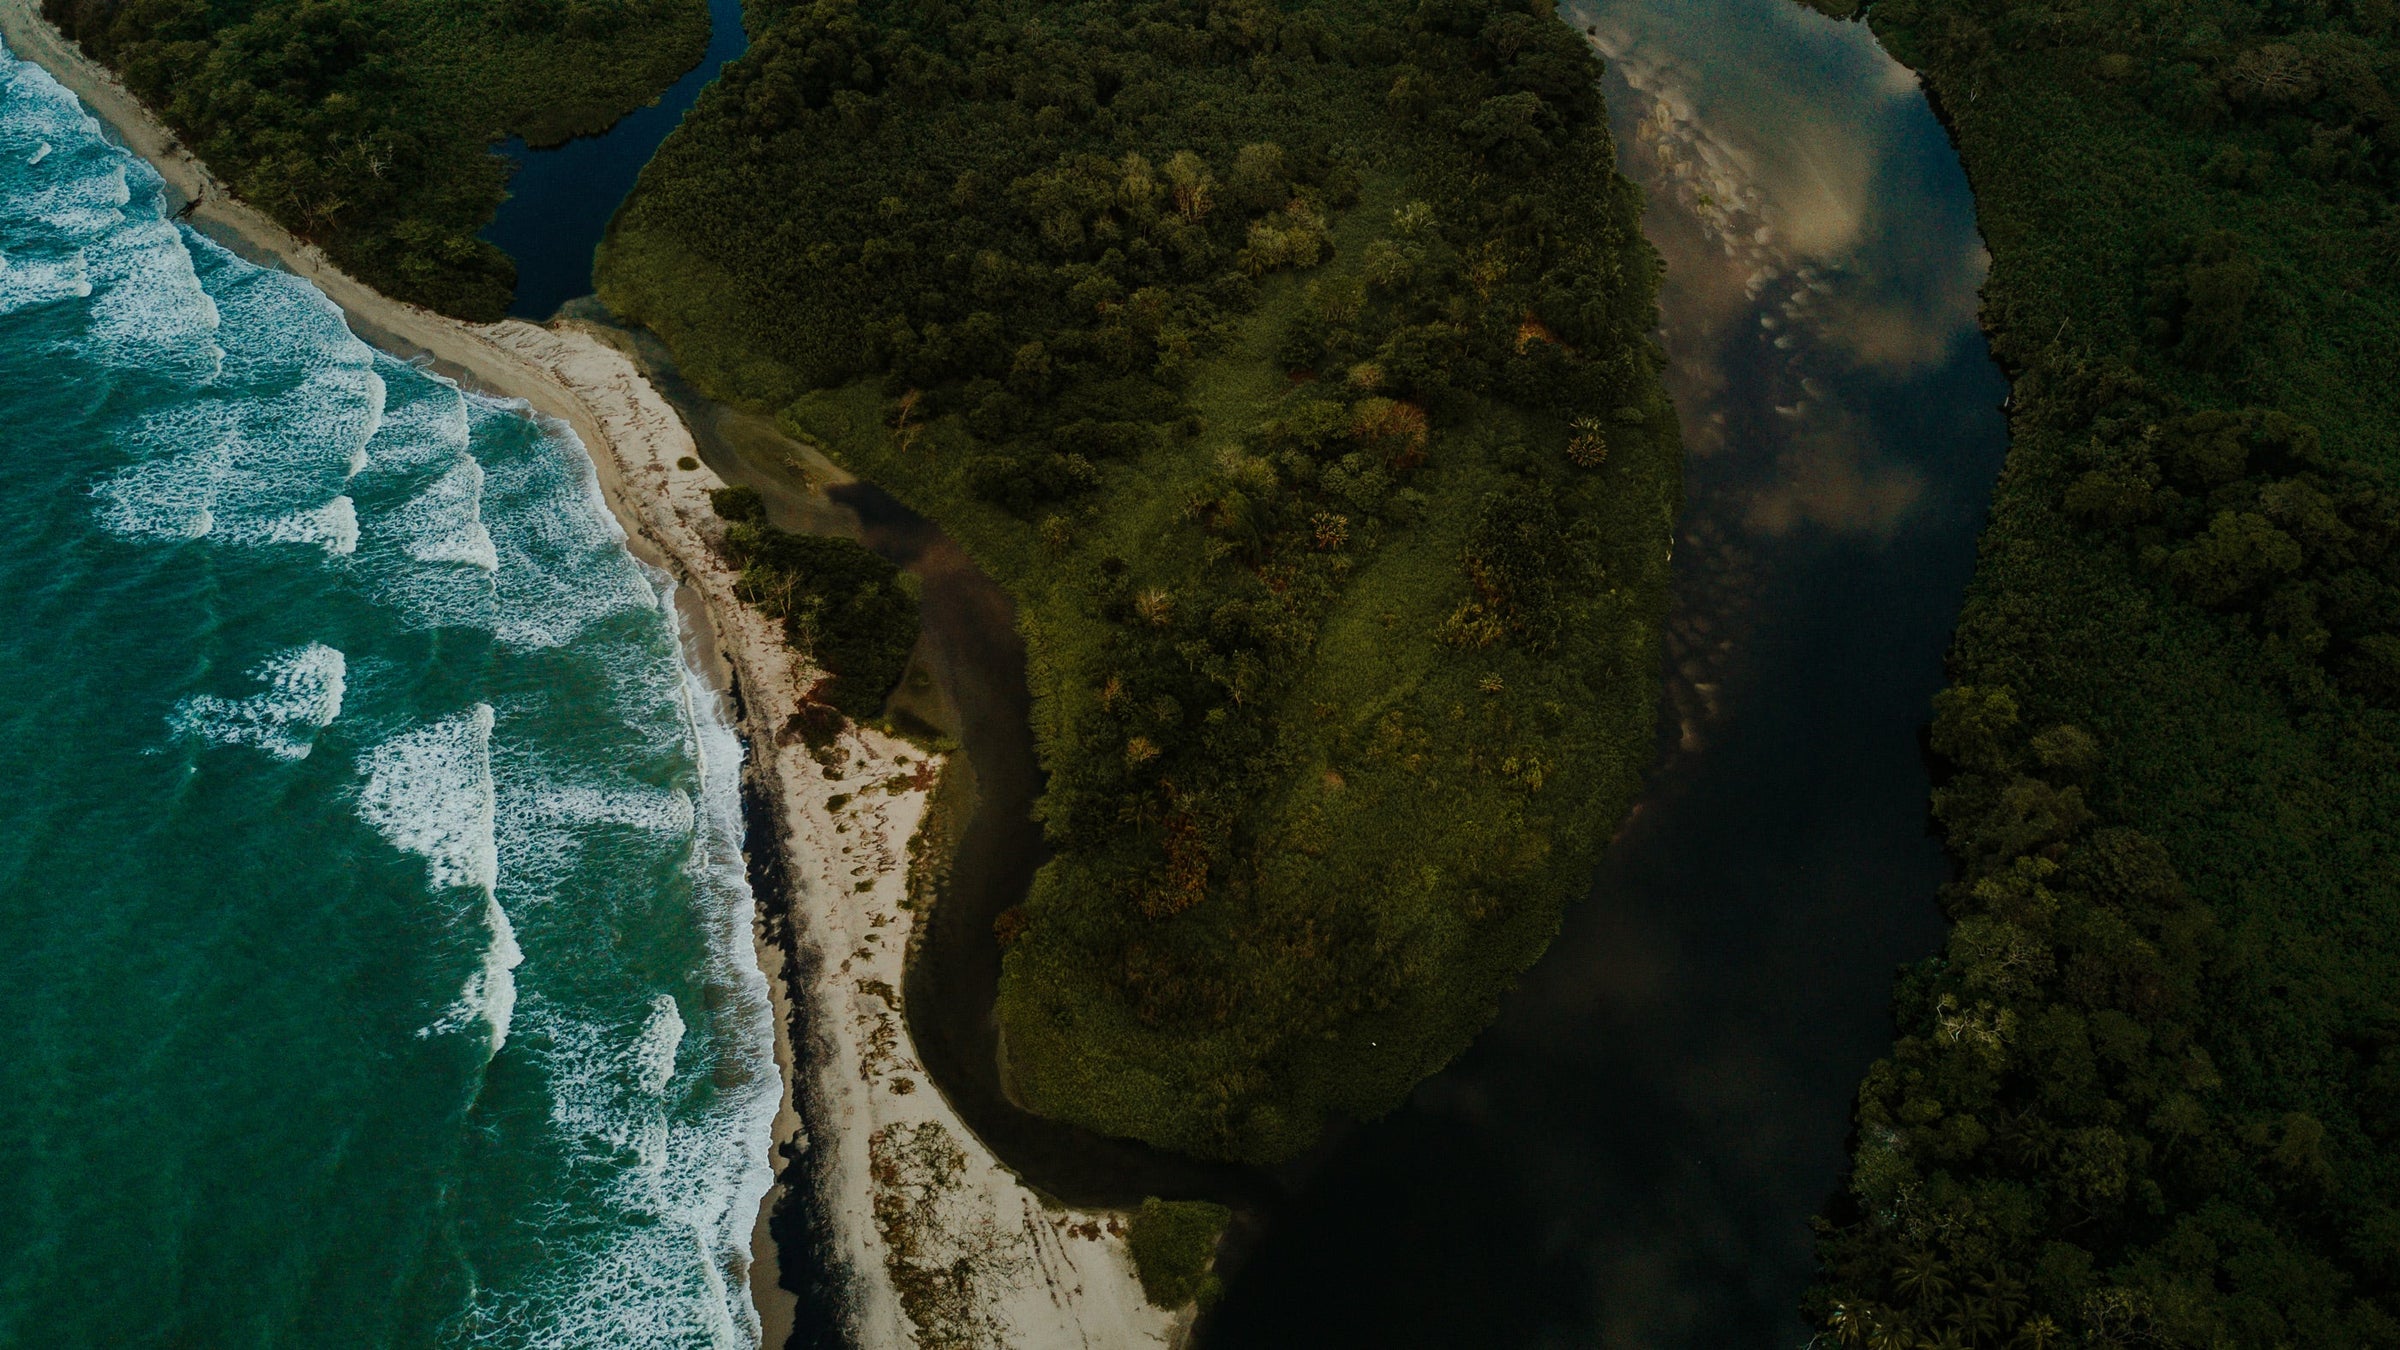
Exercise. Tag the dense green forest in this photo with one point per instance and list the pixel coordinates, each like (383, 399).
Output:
(1289, 364)
(2149, 1095)
(853, 613)
(365, 126)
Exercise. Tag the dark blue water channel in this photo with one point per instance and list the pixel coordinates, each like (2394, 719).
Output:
(1630, 1156)
(561, 199)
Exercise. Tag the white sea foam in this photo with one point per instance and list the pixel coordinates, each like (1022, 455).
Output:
(303, 696)
(327, 419)
(491, 493)
(149, 308)
(28, 281)
(35, 109)
(492, 991)
(226, 484)
(340, 520)
(563, 564)
(684, 1168)
(654, 1054)
(250, 471)
(429, 792)
(454, 510)
(167, 498)
(423, 421)
(444, 523)
(372, 424)
(610, 1088)
(333, 527)
(420, 490)
(280, 329)
(283, 398)
(74, 207)
(664, 811)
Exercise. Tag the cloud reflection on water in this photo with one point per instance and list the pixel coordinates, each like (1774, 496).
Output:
(1808, 270)
(1628, 1157)
(1779, 140)
(1822, 268)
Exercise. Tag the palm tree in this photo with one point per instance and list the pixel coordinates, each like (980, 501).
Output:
(1893, 1335)
(2040, 1333)
(2001, 1295)
(1978, 1318)
(1850, 1323)
(1922, 1278)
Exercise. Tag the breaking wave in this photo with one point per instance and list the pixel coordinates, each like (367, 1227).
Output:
(303, 696)
(429, 792)
(562, 792)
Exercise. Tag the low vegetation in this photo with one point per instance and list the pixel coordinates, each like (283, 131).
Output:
(853, 613)
(1290, 366)
(1174, 1244)
(2149, 1095)
(365, 126)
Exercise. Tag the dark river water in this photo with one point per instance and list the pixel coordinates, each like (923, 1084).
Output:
(560, 199)
(1630, 1156)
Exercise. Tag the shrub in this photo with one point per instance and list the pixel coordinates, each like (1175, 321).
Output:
(1174, 1247)
(740, 504)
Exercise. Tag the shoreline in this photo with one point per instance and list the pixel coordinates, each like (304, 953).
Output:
(932, 1237)
(461, 351)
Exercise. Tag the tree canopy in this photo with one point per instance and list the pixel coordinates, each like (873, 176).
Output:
(1245, 344)
(2146, 1094)
(365, 126)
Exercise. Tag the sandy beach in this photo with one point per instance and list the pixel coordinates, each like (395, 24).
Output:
(934, 1240)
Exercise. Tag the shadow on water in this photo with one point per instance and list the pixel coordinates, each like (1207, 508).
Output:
(1630, 1156)
(561, 199)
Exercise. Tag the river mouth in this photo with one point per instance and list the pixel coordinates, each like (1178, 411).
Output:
(1631, 1154)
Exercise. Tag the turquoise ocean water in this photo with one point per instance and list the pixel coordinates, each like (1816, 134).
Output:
(374, 944)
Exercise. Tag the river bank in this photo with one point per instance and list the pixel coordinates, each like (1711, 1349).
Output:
(1631, 1154)
(933, 1238)
(968, 681)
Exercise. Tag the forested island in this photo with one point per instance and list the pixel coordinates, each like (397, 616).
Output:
(1290, 366)
(366, 126)
(2150, 1092)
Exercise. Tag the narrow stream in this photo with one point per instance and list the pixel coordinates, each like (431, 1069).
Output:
(561, 199)
(973, 657)
(1629, 1158)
